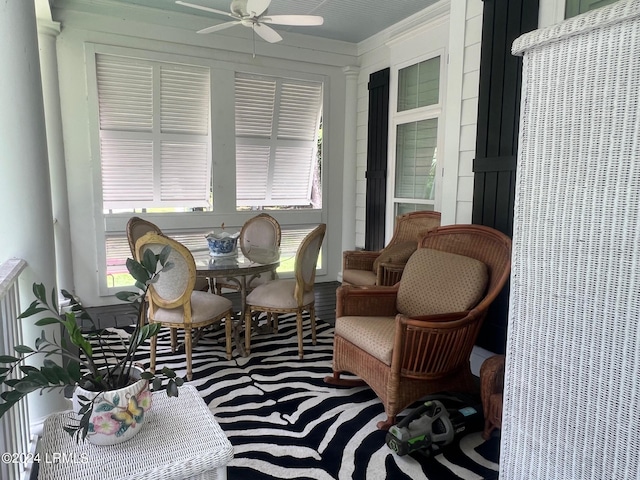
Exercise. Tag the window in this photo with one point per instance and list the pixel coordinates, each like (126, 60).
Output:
(117, 252)
(154, 134)
(419, 85)
(576, 7)
(416, 119)
(416, 146)
(277, 141)
(161, 153)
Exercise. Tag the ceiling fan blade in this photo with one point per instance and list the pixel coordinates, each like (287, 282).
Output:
(266, 32)
(217, 28)
(298, 20)
(206, 9)
(256, 8)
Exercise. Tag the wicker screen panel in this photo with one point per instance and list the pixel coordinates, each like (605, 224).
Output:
(572, 381)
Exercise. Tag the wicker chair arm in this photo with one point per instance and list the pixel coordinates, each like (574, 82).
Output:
(491, 378)
(358, 259)
(432, 346)
(389, 274)
(354, 301)
(434, 321)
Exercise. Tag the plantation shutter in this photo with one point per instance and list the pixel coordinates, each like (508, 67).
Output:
(277, 123)
(154, 133)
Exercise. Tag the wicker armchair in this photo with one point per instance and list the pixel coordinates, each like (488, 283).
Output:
(491, 388)
(384, 267)
(415, 338)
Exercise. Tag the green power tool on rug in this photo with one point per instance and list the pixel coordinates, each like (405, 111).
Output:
(436, 423)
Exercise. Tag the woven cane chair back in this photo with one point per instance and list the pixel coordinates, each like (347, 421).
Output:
(413, 225)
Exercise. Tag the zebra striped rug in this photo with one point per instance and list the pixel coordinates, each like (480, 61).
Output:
(286, 423)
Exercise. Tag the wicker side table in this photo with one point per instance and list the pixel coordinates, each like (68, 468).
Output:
(180, 439)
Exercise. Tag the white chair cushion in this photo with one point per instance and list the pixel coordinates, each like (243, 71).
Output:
(374, 335)
(358, 277)
(204, 307)
(278, 294)
(436, 282)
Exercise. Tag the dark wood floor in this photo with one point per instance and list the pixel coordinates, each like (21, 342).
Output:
(123, 314)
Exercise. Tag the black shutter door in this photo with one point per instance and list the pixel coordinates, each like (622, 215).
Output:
(377, 144)
(497, 137)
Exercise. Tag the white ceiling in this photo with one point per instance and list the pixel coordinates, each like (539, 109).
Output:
(346, 20)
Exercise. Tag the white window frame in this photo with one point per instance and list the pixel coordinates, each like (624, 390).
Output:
(196, 145)
(415, 115)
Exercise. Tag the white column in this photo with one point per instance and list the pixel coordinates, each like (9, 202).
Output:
(26, 226)
(47, 34)
(349, 163)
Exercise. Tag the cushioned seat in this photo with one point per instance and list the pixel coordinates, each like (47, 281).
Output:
(137, 227)
(391, 255)
(359, 277)
(280, 294)
(373, 334)
(203, 306)
(261, 232)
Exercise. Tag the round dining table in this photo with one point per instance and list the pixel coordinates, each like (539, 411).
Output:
(237, 268)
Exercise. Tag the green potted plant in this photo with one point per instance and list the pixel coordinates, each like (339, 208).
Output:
(111, 394)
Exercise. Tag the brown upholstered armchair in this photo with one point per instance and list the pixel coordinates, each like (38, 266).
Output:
(384, 267)
(415, 338)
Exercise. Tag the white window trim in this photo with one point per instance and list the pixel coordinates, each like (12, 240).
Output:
(551, 12)
(413, 115)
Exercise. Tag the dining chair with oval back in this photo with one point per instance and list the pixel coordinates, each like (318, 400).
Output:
(294, 295)
(175, 304)
(258, 234)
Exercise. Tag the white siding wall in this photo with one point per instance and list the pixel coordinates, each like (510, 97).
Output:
(469, 115)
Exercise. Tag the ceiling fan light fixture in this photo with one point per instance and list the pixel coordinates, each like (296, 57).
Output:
(253, 13)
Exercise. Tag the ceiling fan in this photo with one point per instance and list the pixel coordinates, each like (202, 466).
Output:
(253, 13)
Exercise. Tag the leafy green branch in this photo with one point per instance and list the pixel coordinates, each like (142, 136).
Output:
(96, 378)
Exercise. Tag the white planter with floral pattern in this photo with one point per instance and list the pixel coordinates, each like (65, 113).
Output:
(117, 414)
